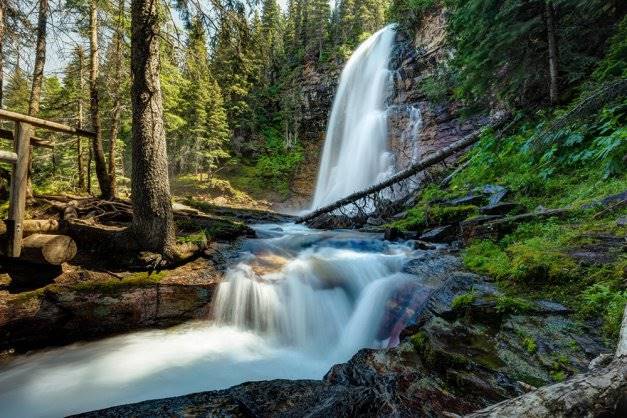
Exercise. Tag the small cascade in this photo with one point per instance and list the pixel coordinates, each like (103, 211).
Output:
(330, 298)
(356, 151)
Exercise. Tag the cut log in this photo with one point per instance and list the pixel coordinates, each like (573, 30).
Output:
(48, 249)
(34, 226)
(8, 157)
(46, 124)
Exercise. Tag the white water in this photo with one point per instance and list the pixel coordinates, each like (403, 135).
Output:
(297, 302)
(356, 150)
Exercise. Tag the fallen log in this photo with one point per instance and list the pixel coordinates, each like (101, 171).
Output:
(34, 226)
(421, 165)
(600, 392)
(48, 249)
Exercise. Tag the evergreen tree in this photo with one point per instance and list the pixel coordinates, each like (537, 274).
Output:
(526, 52)
(17, 92)
(206, 119)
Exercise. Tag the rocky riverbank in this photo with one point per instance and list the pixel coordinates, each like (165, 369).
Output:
(82, 304)
(469, 346)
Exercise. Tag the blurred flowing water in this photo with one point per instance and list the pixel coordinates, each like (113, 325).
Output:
(356, 150)
(294, 303)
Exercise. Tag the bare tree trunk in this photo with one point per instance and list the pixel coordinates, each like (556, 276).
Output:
(38, 77)
(104, 181)
(40, 59)
(153, 223)
(552, 43)
(79, 148)
(89, 158)
(2, 6)
(117, 99)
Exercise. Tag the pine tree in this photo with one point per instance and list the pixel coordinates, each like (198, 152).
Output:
(317, 26)
(17, 91)
(205, 115)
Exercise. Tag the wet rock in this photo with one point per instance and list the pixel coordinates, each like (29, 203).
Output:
(423, 245)
(469, 199)
(432, 264)
(548, 307)
(617, 199)
(86, 305)
(502, 208)
(446, 233)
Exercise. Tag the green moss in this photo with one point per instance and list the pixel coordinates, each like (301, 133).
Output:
(512, 305)
(485, 257)
(419, 341)
(558, 376)
(448, 214)
(534, 260)
(139, 279)
(424, 215)
(463, 301)
(530, 344)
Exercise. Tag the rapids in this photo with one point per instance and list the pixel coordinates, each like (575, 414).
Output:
(295, 302)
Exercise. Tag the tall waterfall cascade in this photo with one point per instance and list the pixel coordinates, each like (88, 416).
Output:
(356, 151)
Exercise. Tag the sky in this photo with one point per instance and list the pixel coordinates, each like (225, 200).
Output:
(59, 45)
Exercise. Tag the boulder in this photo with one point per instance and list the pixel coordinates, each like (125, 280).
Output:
(502, 208)
(445, 233)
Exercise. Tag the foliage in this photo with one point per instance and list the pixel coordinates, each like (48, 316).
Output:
(502, 46)
(463, 301)
(607, 299)
(512, 305)
(485, 257)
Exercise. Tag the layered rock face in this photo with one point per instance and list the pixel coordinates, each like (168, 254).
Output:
(417, 125)
(84, 305)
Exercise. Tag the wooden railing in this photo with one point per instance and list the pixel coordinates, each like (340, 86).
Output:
(23, 138)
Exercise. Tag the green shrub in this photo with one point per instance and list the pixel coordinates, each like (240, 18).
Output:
(601, 299)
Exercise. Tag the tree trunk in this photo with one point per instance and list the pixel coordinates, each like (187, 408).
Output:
(38, 77)
(104, 181)
(79, 148)
(117, 99)
(2, 6)
(153, 223)
(40, 59)
(552, 43)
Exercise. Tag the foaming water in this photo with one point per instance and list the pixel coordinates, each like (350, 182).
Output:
(356, 150)
(296, 302)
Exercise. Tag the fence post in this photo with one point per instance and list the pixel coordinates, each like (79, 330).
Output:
(19, 178)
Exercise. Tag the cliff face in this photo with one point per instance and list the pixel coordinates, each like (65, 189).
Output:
(417, 125)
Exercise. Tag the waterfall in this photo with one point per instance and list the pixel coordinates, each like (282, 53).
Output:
(356, 151)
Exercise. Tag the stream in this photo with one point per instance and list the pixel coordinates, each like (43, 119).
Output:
(295, 302)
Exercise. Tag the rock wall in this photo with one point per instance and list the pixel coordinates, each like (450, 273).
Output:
(415, 59)
(417, 126)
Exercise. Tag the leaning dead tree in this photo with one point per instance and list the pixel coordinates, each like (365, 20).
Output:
(600, 392)
(372, 199)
